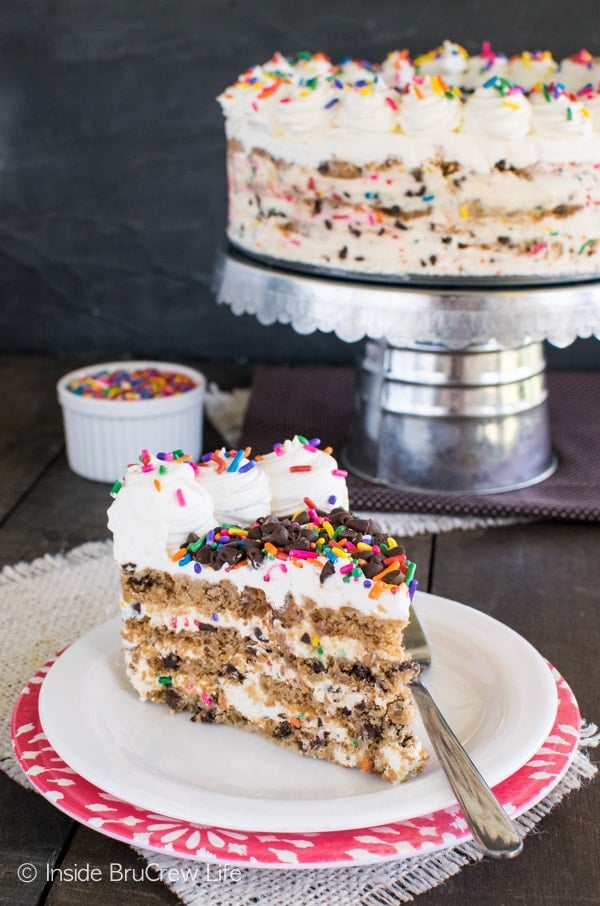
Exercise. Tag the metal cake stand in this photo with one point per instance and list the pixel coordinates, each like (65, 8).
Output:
(451, 392)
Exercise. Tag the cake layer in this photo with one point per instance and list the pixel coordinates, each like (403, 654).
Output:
(333, 684)
(332, 714)
(440, 217)
(181, 604)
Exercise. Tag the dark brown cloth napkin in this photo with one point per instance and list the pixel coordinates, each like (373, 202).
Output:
(318, 401)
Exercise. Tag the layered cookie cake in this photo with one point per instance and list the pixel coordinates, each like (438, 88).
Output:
(286, 625)
(442, 165)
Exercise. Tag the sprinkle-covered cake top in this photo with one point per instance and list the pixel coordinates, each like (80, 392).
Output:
(307, 93)
(163, 517)
(335, 542)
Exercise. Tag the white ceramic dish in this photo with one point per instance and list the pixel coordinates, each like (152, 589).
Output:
(493, 686)
(103, 436)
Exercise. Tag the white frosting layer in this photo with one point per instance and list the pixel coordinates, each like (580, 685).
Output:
(280, 578)
(480, 153)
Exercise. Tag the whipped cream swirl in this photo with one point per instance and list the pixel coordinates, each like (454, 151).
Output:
(238, 486)
(297, 469)
(579, 70)
(532, 68)
(483, 67)
(307, 106)
(427, 108)
(498, 111)
(449, 60)
(397, 69)
(157, 505)
(557, 114)
(358, 71)
(372, 108)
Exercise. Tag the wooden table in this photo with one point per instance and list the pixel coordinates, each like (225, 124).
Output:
(543, 580)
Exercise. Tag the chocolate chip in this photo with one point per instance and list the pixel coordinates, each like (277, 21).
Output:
(143, 581)
(283, 730)
(171, 662)
(173, 699)
(362, 673)
(449, 167)
(234, 672)
(328, 570)
(370, 730)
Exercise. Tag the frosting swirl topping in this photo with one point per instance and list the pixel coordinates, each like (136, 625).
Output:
(238, 486)
(499, 109)
(441, 92)
(558, 114)
(296, 469)
(429, 106)
(157, 504)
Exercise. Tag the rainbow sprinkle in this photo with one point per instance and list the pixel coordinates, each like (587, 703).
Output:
(138, 384)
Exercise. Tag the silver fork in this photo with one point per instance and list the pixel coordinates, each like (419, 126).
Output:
(492, 829)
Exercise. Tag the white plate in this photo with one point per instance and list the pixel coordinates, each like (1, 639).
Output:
(494, 688)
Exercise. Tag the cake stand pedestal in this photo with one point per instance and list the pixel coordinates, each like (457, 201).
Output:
(451, 392)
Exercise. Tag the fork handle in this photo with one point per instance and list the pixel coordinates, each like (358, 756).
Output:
(492, 829)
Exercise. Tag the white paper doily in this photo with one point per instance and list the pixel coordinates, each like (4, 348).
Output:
(404, 315)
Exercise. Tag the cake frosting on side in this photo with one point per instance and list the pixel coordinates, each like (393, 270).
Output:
(289, 625)
(445, 165)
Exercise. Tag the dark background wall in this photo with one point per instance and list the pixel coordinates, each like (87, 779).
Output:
(112, 182)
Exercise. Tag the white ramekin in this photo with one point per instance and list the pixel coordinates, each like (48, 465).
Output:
(103, 435)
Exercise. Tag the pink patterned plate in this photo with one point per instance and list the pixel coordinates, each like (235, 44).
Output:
(81, 800)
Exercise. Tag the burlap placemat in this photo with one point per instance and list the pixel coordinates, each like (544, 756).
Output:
(318, 401)
(54, 600)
